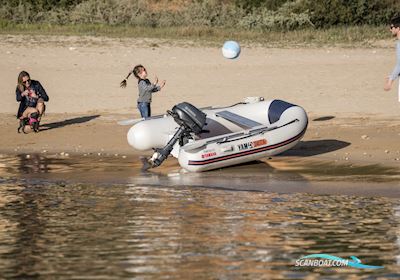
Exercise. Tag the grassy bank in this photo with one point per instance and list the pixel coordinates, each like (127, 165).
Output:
(355, 36)
(349, 23)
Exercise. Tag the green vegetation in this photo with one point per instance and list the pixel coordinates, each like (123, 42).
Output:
(271, 22)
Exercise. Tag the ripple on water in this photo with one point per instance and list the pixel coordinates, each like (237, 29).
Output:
(127, 231)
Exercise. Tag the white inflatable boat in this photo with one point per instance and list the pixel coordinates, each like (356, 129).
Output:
(210, 138)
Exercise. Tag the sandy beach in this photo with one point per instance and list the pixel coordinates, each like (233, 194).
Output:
(352, 120)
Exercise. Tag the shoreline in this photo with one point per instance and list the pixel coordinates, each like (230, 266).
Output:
(355, 157)
(339, 141)
(280, 175)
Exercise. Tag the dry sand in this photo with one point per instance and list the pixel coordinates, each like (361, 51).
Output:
(352, 120)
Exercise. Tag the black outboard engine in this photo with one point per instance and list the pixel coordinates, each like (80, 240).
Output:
(190, 120)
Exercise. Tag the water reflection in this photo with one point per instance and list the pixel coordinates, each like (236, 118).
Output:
(108, 220)
(146, 232)
(277, 175)
(33, 164)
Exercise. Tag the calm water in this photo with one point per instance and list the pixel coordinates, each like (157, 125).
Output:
(127, 229)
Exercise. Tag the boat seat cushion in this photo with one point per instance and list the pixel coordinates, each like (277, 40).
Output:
(237, 119)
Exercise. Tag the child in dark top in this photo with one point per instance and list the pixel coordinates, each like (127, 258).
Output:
(146, 89)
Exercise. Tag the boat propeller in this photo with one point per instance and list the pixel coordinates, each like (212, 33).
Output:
(190, 119)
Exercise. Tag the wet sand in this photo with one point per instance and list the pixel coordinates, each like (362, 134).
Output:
(285, 174)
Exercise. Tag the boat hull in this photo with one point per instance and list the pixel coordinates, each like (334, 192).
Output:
(236, 134)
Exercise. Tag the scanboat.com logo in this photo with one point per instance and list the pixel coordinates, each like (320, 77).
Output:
(325, 260)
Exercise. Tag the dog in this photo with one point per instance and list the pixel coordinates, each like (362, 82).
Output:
(32, 121)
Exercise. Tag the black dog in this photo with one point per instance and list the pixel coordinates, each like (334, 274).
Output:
(32, 121)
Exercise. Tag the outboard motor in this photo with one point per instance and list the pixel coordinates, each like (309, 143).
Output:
(190, 120)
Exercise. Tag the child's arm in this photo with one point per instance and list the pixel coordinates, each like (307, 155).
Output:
(162, 84)
(158, 87)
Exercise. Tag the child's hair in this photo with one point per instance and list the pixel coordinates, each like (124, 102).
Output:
(137, 69)
(395, 21)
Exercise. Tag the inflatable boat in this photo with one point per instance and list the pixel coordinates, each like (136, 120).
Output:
(215, 137)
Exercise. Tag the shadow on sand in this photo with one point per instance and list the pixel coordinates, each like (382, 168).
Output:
(316, 147)
(322, 119)
(48, 126)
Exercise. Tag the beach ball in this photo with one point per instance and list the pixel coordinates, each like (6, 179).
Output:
(231, 49)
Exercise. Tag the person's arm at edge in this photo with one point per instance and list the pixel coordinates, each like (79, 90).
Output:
(396, 71)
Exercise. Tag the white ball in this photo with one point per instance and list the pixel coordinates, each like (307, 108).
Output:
(231, 49)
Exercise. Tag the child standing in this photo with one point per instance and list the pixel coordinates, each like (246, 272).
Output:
(146, 89)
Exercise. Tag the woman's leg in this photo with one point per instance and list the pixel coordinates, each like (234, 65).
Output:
(40, 107)
(28, 111)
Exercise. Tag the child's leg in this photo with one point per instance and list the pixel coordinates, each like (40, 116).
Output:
(144, 109)
(148, 110)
